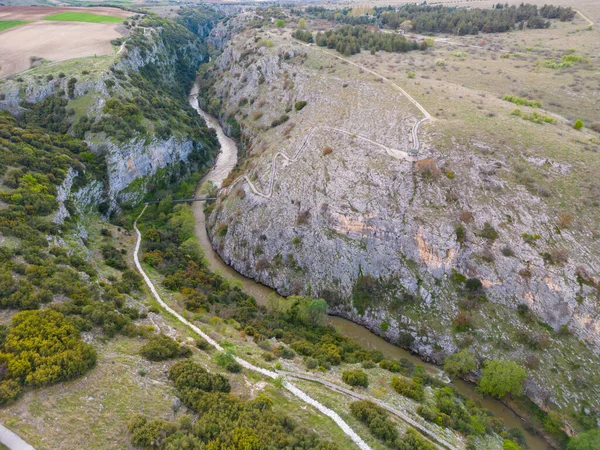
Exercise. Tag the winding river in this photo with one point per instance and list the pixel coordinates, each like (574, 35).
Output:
(226, 161)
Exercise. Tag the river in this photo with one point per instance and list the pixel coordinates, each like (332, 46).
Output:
(226, 161)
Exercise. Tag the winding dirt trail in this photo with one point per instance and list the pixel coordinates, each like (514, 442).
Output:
(268, 373)
(409, 155)
(394, 153)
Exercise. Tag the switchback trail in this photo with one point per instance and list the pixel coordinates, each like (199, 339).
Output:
(395, 153)
(268, 373)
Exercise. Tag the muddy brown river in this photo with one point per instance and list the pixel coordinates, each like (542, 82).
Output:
(226, 161)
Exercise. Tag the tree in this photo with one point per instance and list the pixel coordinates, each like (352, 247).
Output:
(461, 363)
(578, 125)
(499, 378)
(317, 311)
(590, 440)
(280, 23)
(301, 24)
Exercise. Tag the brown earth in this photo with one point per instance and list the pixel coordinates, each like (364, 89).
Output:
(53, 41)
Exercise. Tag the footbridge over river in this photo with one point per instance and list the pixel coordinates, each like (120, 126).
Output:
(182, 200)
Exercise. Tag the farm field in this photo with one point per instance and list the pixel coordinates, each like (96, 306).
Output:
(83, 17)
(6, 24)
(55, 34)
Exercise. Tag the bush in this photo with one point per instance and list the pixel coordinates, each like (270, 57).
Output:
(188, 375)
(461, 363)
(488, 232)
(408, 388)
(160, 348)
(299, 105)
(43, 347)
(391, 365)
(413, 440)
(227, 360)
(9, 392)
(149, 433)
(578, 125)
(282, 119)
(355, 378)
(376, 419)
(368, 364)
(311, 363)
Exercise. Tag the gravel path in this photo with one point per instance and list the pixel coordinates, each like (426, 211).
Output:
(12, 440)
(270, 374)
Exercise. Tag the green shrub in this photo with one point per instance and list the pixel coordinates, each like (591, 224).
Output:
(355, 378)
(227, 360)
(282, 119)
(412, 440)
(578, 124)
(376, 419)
(389, 364)
(160, 348)
(590, 440)
(521, 101)
(43, 347)
(488, 232)
(189, 375)
(299, 105)
(9, 392)
(461, 363)
(408, 388)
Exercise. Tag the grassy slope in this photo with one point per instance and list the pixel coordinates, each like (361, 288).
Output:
(83, 17)
(6, 24)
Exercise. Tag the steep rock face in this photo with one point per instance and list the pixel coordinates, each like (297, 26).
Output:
(138, 159)
(390, 242)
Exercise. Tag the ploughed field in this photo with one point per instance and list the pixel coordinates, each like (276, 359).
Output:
(55, 34)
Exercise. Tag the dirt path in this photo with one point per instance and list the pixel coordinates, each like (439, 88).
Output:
(387, 80)
(12, 440)
(273, 375)
(584, 17)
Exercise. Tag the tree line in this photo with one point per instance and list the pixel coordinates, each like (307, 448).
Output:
(451, 20)
(462, 21)
(349, 40)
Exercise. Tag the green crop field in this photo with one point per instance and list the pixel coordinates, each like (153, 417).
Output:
(83, 17)
(6, 24)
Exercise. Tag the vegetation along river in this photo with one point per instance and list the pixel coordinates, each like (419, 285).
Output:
(226, 161)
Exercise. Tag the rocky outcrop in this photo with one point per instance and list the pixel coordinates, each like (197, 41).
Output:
(138, 159)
